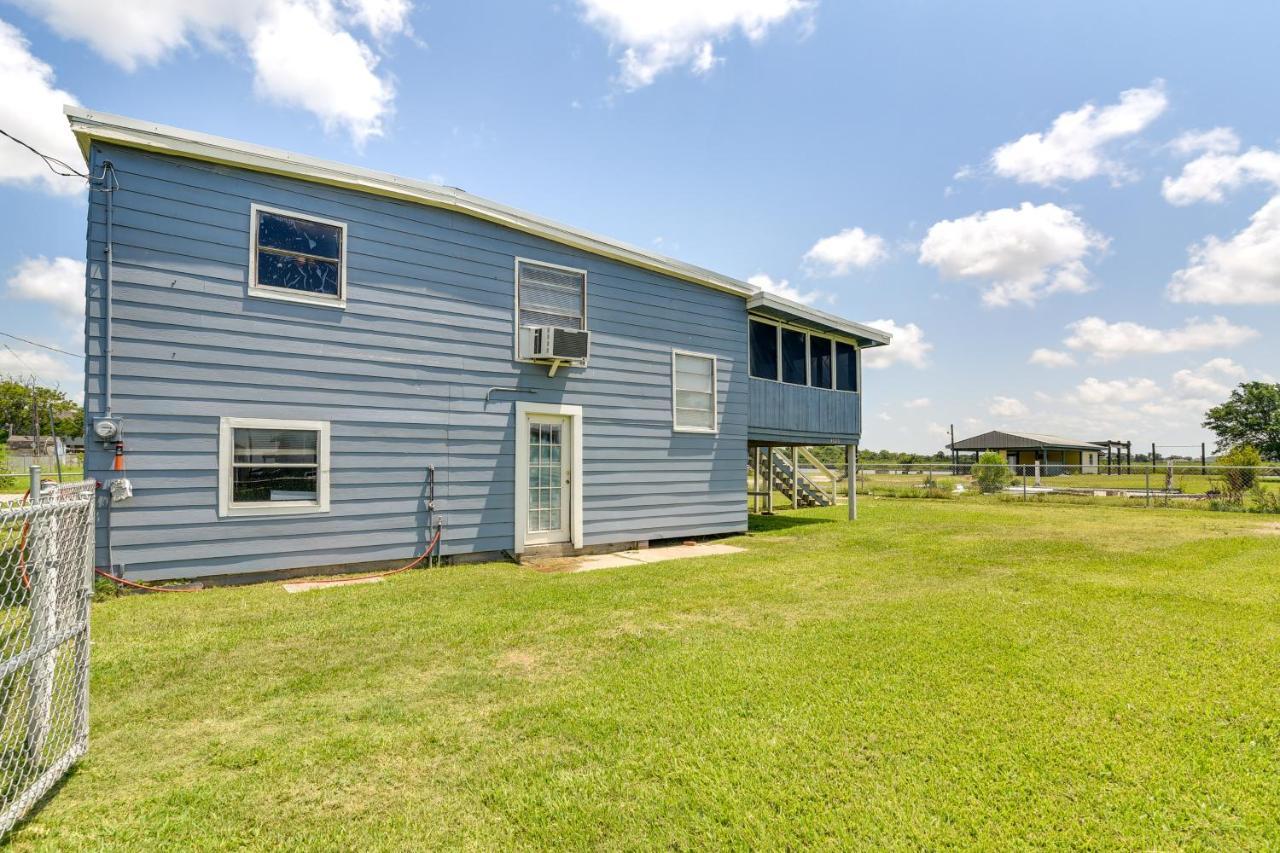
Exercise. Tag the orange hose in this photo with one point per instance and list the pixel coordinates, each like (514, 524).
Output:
(431, 546)
(120, 580)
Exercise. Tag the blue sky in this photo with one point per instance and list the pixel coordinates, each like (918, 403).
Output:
(1069, 213)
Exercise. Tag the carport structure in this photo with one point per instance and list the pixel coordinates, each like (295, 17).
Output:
(1055, 454)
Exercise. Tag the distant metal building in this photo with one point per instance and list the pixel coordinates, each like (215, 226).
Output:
(28, 446)
(1056, 454)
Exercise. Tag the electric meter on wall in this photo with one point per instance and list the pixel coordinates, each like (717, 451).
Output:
(106, 429)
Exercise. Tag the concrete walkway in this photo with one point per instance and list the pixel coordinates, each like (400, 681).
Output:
(622, 559)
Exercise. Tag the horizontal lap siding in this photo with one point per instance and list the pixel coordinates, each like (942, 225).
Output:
(401, 374)
(798, 414)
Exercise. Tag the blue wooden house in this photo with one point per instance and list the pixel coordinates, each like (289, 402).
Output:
(298, 365)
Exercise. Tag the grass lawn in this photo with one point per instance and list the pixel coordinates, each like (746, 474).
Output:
(939, 673)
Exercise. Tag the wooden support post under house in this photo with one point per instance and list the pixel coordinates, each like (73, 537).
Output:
(768, 497)
(795, 477)
(851, 466)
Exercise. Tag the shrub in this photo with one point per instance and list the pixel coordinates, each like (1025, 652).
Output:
(1239, 475)
(991, 474)
(1264, 499)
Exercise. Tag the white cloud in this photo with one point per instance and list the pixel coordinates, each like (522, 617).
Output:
(47, 368)
(1219, 140)
(908, 346)
(1008, 407)
(31, 110)
(785, 289)
(303, 51)
(381, 18)
(1024, 253)
(917, 403)
(1142, 408)
(1051, 358)
(1115, 391)
(1112, 340)
(842, 253)
(58, 282)
(303, 59)
(1214, 379)
(1242, 270)
(659, 35)
(1074, 148)
(133, 34)
(1211, 176)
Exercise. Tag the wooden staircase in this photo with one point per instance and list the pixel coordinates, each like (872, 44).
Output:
(798, 488)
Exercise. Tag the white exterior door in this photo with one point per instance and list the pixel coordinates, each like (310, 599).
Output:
(549, 465)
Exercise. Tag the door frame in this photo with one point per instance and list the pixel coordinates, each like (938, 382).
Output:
(574, 492)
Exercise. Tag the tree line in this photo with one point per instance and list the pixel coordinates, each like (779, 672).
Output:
(26, 405)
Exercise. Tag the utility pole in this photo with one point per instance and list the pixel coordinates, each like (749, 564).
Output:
(53, 435)
(954, 466)
(35, 421)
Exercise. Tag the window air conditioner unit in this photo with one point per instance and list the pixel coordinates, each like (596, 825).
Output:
(551, 343)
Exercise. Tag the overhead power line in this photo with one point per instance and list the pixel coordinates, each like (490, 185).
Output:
(58, 167)
(38, 344)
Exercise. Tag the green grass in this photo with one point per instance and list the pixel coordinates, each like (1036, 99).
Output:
(941, 673)
(17, 481)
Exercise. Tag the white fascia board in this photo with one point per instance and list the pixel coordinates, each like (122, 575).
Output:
(89, 125)
(772, 302)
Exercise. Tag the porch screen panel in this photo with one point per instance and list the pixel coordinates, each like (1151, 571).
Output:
(794, 357)
(846, 367)
(764, 350)
(819, 362)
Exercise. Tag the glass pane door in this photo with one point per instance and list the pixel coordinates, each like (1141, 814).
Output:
(548, 519)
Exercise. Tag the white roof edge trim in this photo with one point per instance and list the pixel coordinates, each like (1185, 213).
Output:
(89, 125)
(778, 303)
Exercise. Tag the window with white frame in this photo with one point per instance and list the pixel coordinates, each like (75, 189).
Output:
(271, 467)
(297, 257)
(550, 295)
(693, 392)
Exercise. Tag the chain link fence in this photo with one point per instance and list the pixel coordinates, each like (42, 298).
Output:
(46, 570)
(1241, 488)
(1164, 484)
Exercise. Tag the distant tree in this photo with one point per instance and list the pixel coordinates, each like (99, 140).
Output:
(1250, 416)
(15, 409)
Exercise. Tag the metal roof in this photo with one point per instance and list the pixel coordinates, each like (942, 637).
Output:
(89, 125)
(772, 305)
(998, 440)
